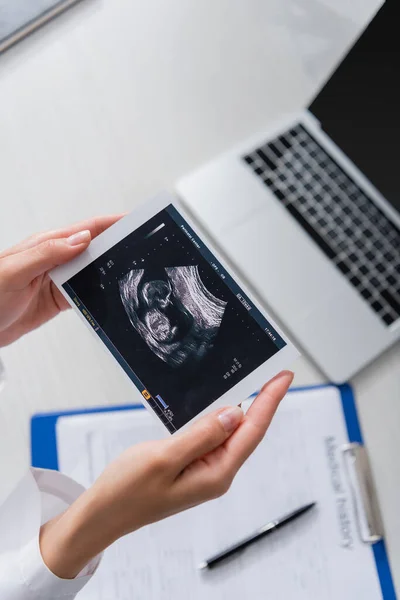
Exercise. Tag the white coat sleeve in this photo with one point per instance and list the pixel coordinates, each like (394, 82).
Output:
(40, 496)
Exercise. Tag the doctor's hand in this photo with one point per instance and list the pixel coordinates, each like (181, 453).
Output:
(28, 298)
(154, 480)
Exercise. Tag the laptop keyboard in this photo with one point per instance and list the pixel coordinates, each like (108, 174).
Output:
(339, 216)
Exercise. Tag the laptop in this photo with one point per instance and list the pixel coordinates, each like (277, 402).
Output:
(309, 211)
(20, 18)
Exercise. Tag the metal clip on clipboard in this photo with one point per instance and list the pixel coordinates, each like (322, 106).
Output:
(365, 500)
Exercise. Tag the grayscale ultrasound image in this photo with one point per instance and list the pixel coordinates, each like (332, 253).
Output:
(177, 318)
(166, 312)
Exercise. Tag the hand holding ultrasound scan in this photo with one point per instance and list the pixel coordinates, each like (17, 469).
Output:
(189, 334)
(178, 322)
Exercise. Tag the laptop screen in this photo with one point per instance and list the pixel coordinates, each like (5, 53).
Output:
(359, 107)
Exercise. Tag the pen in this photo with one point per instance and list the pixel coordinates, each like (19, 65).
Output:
(257, 535)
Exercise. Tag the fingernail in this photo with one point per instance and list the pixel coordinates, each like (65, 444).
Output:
(82, 237)
(288, 375)
(230, 418)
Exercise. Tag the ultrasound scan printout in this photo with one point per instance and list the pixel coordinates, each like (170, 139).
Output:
(178, 323)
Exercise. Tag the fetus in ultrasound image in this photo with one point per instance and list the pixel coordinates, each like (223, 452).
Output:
(177, 316)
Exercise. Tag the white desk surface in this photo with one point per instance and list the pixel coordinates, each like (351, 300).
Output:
(116, 100)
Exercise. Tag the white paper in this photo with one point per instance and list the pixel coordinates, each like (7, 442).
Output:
(319, 556)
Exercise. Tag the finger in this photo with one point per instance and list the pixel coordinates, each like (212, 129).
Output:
(257, 420)
(19, 270)
(206, 435)
(211, 476)
(61, 302)
(96, 225)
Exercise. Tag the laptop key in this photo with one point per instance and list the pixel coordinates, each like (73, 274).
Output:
(388, 319)
(265, 158)
(391, 300)
(344, 268)
(377, 306)
(365, 293)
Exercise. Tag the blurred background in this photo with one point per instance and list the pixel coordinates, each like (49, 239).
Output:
(113, 101)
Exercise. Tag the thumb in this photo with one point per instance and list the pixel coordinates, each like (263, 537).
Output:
(19, 270)
(206, 435)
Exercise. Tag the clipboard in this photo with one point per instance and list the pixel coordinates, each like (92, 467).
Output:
(44, 437)
(44, 455)
(368, 491)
